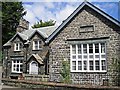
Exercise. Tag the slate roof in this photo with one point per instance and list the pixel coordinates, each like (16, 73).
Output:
(38, 58)
(52, 36)
(45, 32)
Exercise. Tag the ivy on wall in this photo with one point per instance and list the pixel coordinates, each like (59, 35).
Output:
(65, 72)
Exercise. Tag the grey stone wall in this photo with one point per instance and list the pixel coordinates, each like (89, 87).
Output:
(60, 49)
(22, 54)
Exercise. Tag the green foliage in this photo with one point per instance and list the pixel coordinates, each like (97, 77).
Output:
(116, 64)
(65, 72)
(116, 70)
(12, 12)
(43, 24)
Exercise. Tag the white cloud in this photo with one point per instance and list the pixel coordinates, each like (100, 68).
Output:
(46, 11)
(66, 0)
(57, 11)
(63, 14)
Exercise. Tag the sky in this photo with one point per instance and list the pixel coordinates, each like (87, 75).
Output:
(59, 11)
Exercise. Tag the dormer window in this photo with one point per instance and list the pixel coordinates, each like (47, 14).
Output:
(17, 46)
(36, 45)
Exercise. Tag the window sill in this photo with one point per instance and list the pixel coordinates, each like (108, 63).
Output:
(37, 49)
(16, 72)
(72, 71)
(17, 50)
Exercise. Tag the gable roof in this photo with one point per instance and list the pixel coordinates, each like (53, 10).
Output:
(45, 32)
(22, 36)
(37, 58)
(116, 22)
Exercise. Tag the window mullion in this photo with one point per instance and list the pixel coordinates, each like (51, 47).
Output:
(33, 45)
(71, 57)
(94, 56)
(87, 57)
(82, 56)
(100, 56)
(105, 56)
(12, 66)
(37, 44)
(76, 57)
(15, 46)
(19, 66)
(18, 46)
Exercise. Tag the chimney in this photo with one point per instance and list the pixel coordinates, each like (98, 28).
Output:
(23, 25)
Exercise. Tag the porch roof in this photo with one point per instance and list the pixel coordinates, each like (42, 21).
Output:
(37, 58)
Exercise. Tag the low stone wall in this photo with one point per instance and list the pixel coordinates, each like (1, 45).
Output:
(36, 77)
(54, 86)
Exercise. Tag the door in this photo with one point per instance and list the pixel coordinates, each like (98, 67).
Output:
(33, 68)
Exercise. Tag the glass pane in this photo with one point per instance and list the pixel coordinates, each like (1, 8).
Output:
(79, 56)
(85, 56)
(102, 56)
(79, 49)
(17, 61)
(36, 45)
(17, 46)
(14, 65)
(20, 61)
(17, 68)
(79, 65)
(90, 48)
(91, 56)
(97, 66)
(103, 65)
(73, 65)
(20, 45)
(73, 49)
(85, 65)
(14, 69)
(36, 42)
(97, 48)
(74, 57)
(84, 48)
(21, 66)
(21, 69)
(14, 61)
(91, 65)
(96, 56)
(39, 44)
(17, 65)
(102, 47)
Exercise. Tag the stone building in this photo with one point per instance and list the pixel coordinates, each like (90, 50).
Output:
(26, 51)
(89, 39)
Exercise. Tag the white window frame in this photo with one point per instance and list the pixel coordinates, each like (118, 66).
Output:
(19, 63)
(17, 46)
(88, 58)
(38, 44)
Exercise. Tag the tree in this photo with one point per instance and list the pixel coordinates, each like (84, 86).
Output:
(44, 24)
(12, 12)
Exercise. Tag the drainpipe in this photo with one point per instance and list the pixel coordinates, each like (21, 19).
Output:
(6, 61)
(26, 59)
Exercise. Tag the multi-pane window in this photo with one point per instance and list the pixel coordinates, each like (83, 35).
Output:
(88, 57)
(36, 45)
(17, 46)
(17, 66)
